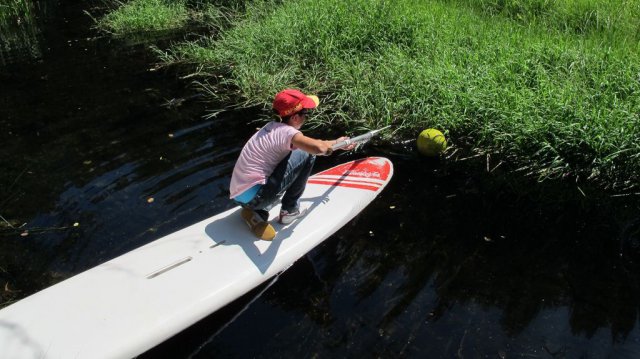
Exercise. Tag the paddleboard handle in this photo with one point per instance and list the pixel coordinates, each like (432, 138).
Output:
(358, 139)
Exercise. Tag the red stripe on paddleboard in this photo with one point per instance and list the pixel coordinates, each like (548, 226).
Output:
(348, 178)
(371, 167)
(343, 184)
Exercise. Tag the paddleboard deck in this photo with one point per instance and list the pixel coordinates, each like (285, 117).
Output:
(123, 307)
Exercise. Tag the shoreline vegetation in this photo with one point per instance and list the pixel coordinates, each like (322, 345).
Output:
(551, 86)
(137, 16)
(19, 29)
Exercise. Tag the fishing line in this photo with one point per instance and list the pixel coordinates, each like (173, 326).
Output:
(272, 282)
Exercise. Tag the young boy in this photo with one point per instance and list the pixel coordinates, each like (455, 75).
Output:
(278, 158)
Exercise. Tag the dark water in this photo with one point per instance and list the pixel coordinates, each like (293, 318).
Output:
(450, 261)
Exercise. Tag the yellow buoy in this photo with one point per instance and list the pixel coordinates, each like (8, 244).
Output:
(431, 142)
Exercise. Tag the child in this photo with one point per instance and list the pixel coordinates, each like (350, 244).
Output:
(278, 158)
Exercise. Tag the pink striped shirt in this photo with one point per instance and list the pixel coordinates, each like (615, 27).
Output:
(260, 156)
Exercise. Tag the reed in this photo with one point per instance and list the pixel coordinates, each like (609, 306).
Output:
(556, 98)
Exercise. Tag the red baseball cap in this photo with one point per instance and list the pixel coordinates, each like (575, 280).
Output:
(289, 101)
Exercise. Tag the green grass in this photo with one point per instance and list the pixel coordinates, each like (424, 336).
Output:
(616, 17)
(139, 16)
(15, 14)
(145, 15)
(543, 85)
(19, 29)
(12, 10)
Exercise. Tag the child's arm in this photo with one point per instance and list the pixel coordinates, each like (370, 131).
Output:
(314, 146)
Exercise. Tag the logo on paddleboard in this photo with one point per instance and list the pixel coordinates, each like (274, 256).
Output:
(363, 174)
(368, 174)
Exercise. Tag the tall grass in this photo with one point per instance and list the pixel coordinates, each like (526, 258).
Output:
(145, 15)
(555, 101)
(11, 11)
(19, 30)
(137, 16)
(618, 18)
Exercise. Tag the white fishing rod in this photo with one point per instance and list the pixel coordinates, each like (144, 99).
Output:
(358, 139)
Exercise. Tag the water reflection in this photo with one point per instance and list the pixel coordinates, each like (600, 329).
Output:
(452, 262)
(186, 176)
(20, 23)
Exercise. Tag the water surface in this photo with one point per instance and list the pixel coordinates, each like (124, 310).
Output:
(451, 260)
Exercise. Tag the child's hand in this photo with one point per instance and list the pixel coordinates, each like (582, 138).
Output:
(348, 147)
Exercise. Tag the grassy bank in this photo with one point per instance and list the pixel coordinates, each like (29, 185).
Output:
(556, 97)
(618, 18)
(554, 86)
(145, 15)
(158, 15)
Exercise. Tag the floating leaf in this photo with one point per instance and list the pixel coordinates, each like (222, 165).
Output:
(150, 200)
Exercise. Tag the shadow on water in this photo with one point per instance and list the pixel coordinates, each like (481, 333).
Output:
(450, 261)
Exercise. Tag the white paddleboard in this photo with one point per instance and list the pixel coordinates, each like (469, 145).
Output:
(132, 303)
